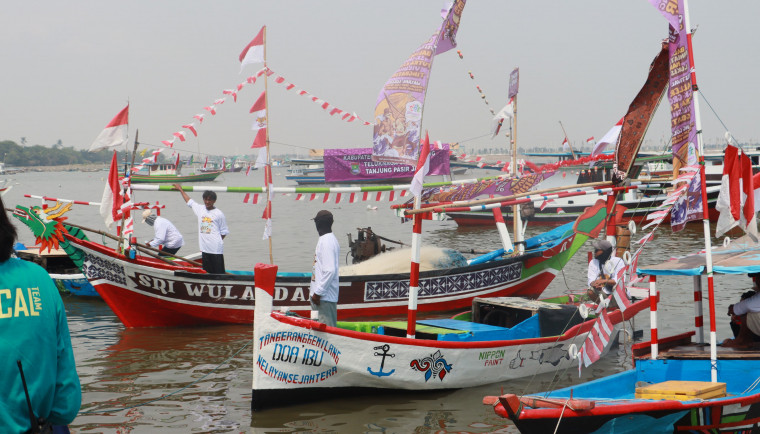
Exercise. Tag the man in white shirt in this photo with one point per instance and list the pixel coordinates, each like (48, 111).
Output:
(746, 314)
(323, 291)
(166, 236)
(603, 269)
(212, 228)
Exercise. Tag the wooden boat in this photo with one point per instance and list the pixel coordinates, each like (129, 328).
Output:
(147, 292)
(169, 172)
(670, 387)
(296, 358)
(677, 385)
(62, 269)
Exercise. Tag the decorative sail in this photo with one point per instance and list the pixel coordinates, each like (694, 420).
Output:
(398, 112)
(640, 112)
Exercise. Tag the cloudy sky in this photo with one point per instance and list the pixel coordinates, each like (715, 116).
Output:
(69, 67)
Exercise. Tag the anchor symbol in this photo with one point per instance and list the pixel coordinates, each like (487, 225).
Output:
(380, 373)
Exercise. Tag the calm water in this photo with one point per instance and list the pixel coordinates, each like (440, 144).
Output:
(199, 379)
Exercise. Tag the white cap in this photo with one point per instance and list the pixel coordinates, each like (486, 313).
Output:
(145, 215)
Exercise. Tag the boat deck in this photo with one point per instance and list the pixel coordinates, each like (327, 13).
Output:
(681, 347)
(697, 351)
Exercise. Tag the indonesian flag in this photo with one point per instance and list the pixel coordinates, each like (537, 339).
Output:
(566, 145)
(114, 134)
(112, 200)
(259, 111)
(254, 51)
(612, 136)
(262, 159)
(176, 164)
(590, 140)
(423, 167)
(597, 339)
(504, 114)
(736, 200)
(205, 163)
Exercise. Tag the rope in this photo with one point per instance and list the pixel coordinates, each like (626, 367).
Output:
(560, 415)
(172, 393)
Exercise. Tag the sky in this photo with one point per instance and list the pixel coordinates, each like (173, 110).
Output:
(69, 67)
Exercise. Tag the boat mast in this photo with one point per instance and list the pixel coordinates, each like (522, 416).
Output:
(268, 170)
(514, 80)
(572, 152)
(705, 211)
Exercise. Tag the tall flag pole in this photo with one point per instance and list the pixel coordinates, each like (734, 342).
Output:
(268, 171)
(423, 164)
(705, 211)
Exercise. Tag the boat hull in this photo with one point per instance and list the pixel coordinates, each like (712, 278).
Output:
(198, 177)
(617, 410)
(145, 292)
(294, 355)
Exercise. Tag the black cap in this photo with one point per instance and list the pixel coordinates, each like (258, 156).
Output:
(324, 215)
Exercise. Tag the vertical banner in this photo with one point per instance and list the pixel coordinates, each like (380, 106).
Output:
(683, 129)
(689, 205)
(398, 111)
(514, 83)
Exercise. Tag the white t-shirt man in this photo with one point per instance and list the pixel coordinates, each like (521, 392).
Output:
(751, 307)
(211, 226)
(611, 268)
(324, 274)
(166, 234)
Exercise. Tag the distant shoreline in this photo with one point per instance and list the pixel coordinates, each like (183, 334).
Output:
(90, 167)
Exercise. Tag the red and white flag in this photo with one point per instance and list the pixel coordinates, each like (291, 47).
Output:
(612, 136)
(565, 145)
(504, 115)
(596, 341)
(620, 295)
(114, 134)
(112, 200)
(267, 215)
(423, 167)
(176, 163)
(254, 51)
(590, 141)
(259, 110)
(736, 200)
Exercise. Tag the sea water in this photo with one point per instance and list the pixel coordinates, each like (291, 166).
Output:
(180, 380)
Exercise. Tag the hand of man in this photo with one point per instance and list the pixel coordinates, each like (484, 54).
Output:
(315, 299)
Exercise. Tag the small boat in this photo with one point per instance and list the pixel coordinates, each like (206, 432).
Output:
(148, 292)
(61, 268)
(169, 172)
(502, 338)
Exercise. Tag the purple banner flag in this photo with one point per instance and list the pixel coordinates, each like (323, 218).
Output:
(689, 205)
(398, 111)
(357, 165)
(448, 32)
(682, 121)
(514, 82)
(492, 187)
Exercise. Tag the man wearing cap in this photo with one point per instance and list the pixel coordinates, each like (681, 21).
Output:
(323, 290)
(603, 269)
(212, 228)
(165, 234)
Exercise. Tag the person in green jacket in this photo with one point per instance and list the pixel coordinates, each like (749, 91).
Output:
(34, 332)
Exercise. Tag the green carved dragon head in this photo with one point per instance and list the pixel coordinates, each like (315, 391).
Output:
(48, 228)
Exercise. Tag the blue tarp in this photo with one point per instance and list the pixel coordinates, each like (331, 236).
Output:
(742, 256)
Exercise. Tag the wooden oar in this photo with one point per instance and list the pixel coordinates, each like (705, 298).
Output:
(144, 249)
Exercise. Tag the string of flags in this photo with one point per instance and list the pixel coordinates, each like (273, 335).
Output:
(480, 91)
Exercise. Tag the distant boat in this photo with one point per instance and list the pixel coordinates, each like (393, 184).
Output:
(168, 172)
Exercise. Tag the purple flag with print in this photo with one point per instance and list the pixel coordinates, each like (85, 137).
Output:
(682, 121)
(398, 111)
(356, 165)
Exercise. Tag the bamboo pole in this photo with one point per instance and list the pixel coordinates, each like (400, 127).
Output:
(505, 198)
(268, 171)
(144, 249)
